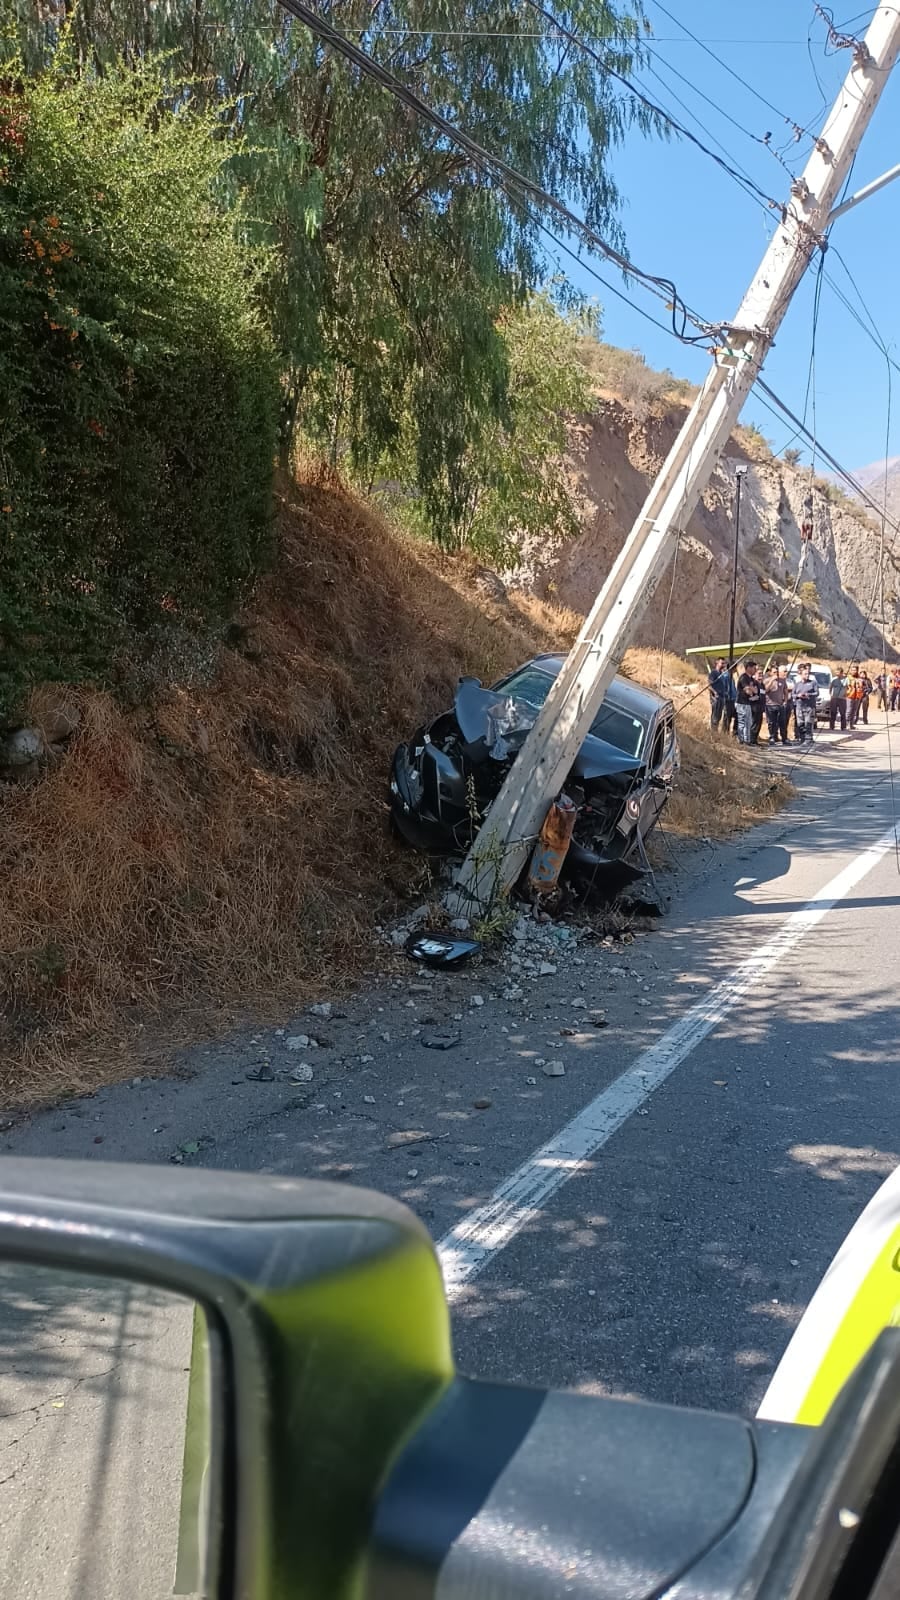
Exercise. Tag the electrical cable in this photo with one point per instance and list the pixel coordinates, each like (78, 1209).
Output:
(764, 636)
(837, 40)
(592, 272)
(649, 104)
(871, 330)
(812, 62)
(848, 477)
(522, 33)
(810, 371)
(726, 67)
(495, 167)
(879, 575)
(747, 182)
(682, 77)
(778, 405)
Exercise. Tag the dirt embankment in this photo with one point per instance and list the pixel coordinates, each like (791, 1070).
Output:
(222, 849)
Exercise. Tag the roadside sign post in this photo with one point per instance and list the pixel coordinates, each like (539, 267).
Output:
(542, 766)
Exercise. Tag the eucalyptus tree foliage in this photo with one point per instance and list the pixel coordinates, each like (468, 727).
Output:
(391, 258)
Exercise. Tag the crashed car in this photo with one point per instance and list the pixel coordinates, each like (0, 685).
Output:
(444, 780)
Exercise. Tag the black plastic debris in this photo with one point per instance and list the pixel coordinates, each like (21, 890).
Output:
(264, 1074)
(439, 950)
(441, 1039)
(644, 899)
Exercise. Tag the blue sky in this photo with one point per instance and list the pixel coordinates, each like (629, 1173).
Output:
(687, 220)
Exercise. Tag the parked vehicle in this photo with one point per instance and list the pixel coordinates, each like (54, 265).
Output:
(444, 780)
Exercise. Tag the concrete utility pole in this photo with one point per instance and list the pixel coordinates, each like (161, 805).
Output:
(543, 764)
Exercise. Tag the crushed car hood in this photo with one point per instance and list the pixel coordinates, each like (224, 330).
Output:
(480, 714)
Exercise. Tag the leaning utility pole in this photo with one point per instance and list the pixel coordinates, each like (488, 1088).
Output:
(544, 762)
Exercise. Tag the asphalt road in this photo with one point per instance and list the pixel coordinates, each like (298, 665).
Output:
(93, 1396)
(675, 1261)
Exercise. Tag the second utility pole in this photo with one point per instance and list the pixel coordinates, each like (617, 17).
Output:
(740, 475)
(545, 760)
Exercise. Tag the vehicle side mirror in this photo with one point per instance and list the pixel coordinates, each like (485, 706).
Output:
(266, 1363)
(260, 1348)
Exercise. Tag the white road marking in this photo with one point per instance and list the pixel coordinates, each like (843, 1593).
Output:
(471, 1244)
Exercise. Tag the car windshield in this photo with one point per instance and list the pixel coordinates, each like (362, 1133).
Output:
(615, 726)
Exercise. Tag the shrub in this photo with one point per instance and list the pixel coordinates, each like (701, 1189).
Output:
(754, 441)
(138, 392)
(626, 373)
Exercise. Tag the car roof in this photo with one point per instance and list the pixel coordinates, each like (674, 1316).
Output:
(622, 692)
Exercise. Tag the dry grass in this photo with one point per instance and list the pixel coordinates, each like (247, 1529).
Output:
(660, 670)
(722, 786)
(223, 852)
(226, 848)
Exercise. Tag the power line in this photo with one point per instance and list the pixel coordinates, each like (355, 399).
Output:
(592, 272)
(724, 64)
(500, 170)
(522, 33)
(494, 166)
(826, 455)
(870, 329)
(837, 39)
(742, 178)
(710, 102)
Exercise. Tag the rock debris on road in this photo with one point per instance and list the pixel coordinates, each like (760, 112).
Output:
(665, 1266)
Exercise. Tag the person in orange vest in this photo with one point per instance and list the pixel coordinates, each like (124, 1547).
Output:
(868, 689)
(855, 694)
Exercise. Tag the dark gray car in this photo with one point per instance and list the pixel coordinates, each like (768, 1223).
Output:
(444, 779)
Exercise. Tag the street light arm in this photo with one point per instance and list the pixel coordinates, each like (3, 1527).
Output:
(864, 193)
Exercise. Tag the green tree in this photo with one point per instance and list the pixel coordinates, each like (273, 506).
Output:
(510, 480)
(391, 260)
(138, 387)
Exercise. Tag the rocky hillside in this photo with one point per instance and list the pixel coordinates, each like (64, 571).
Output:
(614, 456)
(872, 478)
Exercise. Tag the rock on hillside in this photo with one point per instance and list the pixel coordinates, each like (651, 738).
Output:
(613, 459)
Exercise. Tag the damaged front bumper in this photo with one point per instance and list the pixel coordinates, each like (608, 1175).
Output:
(411, 769)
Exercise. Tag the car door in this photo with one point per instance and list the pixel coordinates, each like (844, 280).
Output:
(662, 763)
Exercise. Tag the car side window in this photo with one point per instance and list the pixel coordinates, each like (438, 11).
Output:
(662, 741)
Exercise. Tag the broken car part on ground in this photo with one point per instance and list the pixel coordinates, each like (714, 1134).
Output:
(444, 780)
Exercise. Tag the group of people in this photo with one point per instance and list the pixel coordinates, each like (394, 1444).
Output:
(784, 699)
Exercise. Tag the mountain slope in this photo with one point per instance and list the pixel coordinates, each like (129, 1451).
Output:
(873, 479)
(613, 458)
